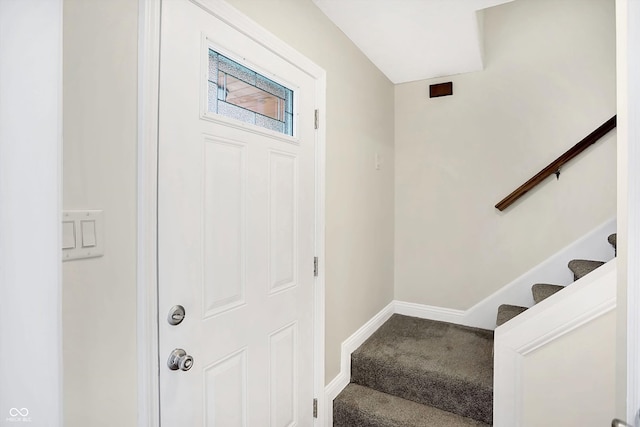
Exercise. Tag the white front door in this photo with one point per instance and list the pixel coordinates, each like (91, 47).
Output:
(235, 233)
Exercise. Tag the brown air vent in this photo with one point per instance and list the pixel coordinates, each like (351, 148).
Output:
(440, 89)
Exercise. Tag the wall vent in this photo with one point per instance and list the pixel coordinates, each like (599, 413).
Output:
(440, 89)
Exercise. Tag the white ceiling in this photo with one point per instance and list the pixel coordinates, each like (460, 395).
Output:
(413, 39)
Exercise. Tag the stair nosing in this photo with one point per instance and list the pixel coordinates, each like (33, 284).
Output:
(410, 407)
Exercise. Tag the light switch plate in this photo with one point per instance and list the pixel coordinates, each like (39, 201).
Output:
(88, 232)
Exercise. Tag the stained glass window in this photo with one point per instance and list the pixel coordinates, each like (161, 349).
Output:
(237, 92)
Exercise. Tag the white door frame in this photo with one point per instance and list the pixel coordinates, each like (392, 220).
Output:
(30, 213)
(628, 70)
(147, 278)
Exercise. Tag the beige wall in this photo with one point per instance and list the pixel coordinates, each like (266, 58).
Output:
(549, 81)
(359, 205)
(99, 294)
(560, 388)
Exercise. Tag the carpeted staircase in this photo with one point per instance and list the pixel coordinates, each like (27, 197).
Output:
(419, 373)
(542, 291)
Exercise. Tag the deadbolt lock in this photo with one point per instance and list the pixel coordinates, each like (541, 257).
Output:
(176, 315)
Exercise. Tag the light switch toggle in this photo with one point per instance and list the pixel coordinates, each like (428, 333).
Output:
(68, 235)
(88, 233)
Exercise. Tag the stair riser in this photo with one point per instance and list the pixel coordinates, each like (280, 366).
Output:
(456, 396)
(359, 406)
(344, 416)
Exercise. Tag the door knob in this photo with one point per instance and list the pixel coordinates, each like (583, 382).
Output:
(619, 423)
(179, 359)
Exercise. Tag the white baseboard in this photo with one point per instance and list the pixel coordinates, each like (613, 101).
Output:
(349, 346)
(429, 312)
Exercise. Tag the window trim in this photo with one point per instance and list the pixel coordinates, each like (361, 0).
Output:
(208, 44)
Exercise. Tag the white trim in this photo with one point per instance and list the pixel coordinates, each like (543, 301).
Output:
(431, 312)
(237, 20)
(629, 193)
(349, 346)
(31, 59)
(319, 290)
(587, 299)
(147, 292)
(628, 203)
(149, 66)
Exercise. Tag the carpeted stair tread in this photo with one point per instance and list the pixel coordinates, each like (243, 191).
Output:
(613, 240)
(507, 312)
(359, 406)
(542, 291)
(434, 363)
(582, 267)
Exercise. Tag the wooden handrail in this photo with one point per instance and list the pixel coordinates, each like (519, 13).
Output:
(555, 166)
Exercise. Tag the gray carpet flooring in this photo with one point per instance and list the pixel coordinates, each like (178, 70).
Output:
(419, 373)
(436, 364)
(542, 291)
(582, 267)
(613, 240)
(360, 406)
(507, 312)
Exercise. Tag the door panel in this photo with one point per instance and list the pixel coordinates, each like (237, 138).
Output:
(235, 238)
(224, 170)
(282, 218)
(283, 376)
(225, 391)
